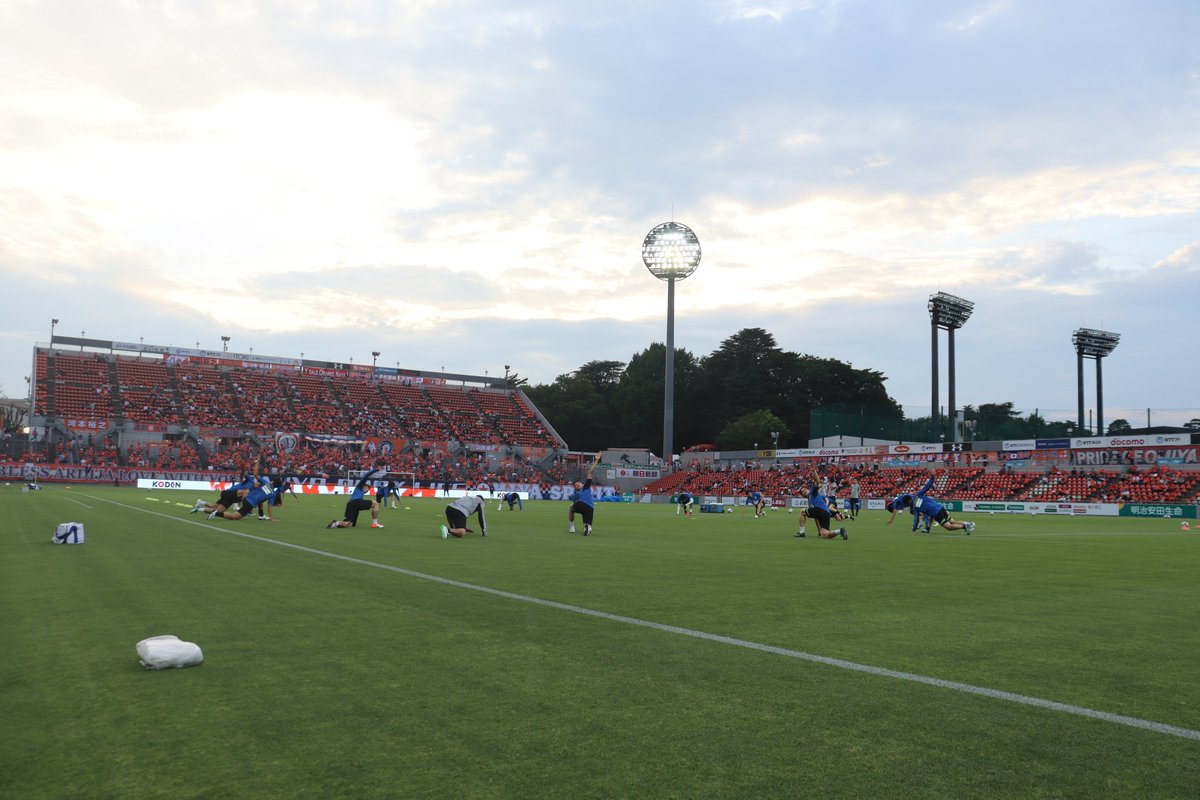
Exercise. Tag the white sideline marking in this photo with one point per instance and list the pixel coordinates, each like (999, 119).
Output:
(73, 500)
(966, 688)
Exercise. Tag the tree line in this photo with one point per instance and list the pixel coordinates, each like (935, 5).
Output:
(734, 398)
(749, 388)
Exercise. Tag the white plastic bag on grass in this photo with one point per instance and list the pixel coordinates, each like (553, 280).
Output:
(165, 652)
(69, 533)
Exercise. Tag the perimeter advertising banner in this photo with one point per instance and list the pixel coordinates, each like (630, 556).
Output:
(1156, 510)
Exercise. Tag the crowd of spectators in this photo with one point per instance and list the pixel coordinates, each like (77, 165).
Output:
(101, 388)
(1155, 484)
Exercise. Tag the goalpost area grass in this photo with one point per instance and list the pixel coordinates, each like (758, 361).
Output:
(361, 663)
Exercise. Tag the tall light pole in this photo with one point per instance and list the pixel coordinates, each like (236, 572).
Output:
(949, 312)
(224, 344)
(671, 252)
(53, 322)
(1090, 343)
(506, 376)
(374, 358)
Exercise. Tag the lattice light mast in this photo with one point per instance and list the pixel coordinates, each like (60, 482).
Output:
(671, 252)
(1090, 343)
(951, 313)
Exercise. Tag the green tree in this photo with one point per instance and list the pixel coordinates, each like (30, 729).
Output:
(575, 409)
(1119, 426)
(751, 430)
(637, 403)
(11, 417)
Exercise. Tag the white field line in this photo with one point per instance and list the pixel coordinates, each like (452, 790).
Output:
(966, 688)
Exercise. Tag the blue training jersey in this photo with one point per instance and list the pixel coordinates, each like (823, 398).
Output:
(360, 488)
(926, 505)
(817, 500)
(754, 498)
(584, 495)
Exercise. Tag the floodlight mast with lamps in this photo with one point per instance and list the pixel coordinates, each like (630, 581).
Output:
(949, 312)
(671, 252)
(1091, 343)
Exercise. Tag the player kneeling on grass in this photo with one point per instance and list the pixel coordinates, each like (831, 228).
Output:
(513, 499)
(457, 513)
(819, 511)
(931, 508)
(583, 503)
(357, 503)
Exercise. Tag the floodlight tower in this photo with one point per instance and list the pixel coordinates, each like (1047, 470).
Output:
(1095, 344)
(949, 312)
(671, 252)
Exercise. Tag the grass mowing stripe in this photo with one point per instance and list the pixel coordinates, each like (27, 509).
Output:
(997, 694)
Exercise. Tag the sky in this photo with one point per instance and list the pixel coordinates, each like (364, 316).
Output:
(465, 184)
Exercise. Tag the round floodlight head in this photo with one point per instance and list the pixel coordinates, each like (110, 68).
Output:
(671, 251)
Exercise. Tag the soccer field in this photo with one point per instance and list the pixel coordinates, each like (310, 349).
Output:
(712, 657)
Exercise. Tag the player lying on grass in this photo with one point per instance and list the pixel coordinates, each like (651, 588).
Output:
(357, 503)
(263, 492)
(819, 511)
(926, 505)
(228, 497)
(457, 513)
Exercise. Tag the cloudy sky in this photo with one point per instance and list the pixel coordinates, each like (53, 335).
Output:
(465, 184)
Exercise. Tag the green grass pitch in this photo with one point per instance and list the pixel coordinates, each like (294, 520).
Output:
(362, 663)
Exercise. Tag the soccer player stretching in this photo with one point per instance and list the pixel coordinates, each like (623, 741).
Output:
(584, 504)
(931, 508)
(818, 510)
(359, 502)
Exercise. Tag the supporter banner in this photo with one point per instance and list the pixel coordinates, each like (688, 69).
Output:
(1157, 455)
(1036, 455)
(384, 447)
(82, 474)
(484, 448)
(147, 427)
(1156, 510)
(87, 424)
(286, 442)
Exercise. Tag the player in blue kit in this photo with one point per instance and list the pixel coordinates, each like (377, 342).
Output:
(819, 511)
(357, 503)
(263, 492)
(917, 517)
(685, 502)
(513, 499)
(923, 504)
(754, 498)
(385, 490)
(583, 503)
(228, 498)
